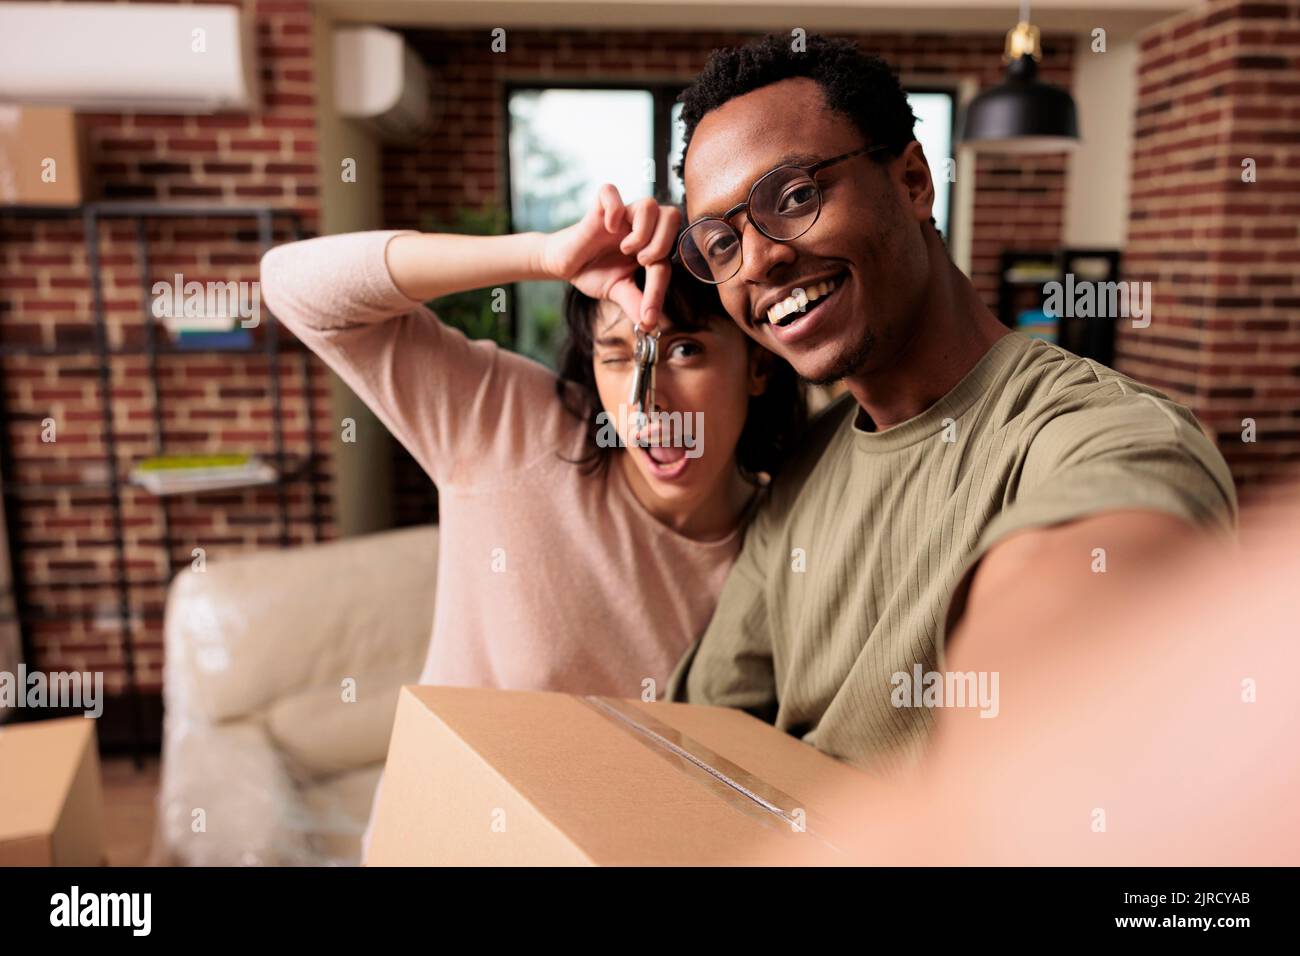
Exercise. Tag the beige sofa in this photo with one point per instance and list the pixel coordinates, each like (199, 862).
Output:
(280, 682)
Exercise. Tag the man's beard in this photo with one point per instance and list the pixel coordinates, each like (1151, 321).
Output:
(849, 361)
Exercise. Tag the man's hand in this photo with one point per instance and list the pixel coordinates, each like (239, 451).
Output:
(599, 253)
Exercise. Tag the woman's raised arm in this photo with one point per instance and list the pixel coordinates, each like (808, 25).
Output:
(465, 410)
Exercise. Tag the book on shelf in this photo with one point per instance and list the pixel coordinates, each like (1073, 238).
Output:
(1027, 273)
(179, 474)
(207, 331)
(233, 339)
(1038, 324)
(198, 323)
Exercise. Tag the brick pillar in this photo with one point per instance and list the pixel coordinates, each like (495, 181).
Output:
(1218, 106)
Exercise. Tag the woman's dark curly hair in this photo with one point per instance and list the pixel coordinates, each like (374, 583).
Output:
(857, 85)
(775, 418)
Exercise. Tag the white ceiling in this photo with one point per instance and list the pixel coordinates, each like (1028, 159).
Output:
(1118, 17)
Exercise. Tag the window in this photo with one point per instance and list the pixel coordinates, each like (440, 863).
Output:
(934, 131)
(564, 142)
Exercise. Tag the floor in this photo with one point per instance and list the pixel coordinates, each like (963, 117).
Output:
(130, 802)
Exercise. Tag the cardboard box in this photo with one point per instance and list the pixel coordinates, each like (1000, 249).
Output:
(491, 777)
(50, 802)
(42, 157)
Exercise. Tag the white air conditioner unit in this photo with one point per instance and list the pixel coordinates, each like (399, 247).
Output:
(137, 57)
(380, 81)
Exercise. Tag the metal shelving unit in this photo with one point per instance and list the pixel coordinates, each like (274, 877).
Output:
(290, 467)
(1093, 337)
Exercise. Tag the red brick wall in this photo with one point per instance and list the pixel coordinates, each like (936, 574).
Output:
(1018, 201)
(214, 402)
(1217, 86)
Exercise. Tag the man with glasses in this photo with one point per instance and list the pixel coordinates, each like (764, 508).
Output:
(969, 474)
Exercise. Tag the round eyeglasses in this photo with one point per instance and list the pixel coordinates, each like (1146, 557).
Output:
(783, 204)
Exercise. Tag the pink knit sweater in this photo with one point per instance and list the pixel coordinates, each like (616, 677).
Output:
(548, 579)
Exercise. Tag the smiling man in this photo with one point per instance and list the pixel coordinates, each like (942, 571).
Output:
(969, 472)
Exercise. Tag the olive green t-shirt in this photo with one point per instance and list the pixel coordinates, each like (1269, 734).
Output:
(847, 571)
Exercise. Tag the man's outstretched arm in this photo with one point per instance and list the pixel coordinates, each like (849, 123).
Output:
(1025, 580)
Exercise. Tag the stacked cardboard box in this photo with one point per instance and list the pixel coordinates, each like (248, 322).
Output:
(42, 157)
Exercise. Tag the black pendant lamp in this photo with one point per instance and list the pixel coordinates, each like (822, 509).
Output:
(1023, 114)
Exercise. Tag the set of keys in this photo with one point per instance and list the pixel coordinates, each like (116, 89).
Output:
(641, 402)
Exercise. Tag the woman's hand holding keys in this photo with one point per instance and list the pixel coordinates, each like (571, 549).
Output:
(600, 253)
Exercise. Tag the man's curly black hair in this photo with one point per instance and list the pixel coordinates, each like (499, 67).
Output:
(858, 85)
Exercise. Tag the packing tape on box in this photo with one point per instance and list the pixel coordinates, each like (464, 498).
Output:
(730, 782)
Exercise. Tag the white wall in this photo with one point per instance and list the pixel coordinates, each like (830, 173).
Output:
(1097, 187)
(363, 501)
